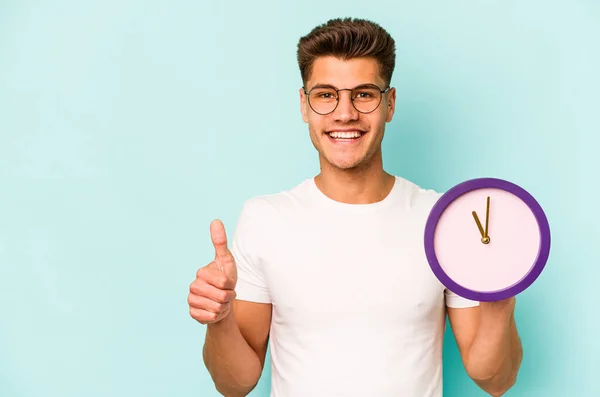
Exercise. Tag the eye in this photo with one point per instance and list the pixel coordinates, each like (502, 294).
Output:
(366, 94)
(323, 94)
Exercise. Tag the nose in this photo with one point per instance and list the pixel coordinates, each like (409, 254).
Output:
(345, 110)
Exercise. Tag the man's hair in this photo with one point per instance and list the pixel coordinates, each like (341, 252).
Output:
(347, 38)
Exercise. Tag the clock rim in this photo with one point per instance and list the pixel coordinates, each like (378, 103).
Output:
(487, 183)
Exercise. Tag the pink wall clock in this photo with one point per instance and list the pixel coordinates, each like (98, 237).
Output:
(487, 239)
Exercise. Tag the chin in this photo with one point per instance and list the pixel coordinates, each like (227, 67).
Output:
(345, 164)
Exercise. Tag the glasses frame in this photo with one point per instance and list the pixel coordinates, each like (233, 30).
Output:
(337, 90)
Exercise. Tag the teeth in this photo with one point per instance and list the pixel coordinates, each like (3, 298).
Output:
(344, 135)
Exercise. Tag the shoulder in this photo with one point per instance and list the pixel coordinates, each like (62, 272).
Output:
(272, 206)
(418, 197)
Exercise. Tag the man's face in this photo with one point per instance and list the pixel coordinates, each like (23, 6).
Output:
(363, 132)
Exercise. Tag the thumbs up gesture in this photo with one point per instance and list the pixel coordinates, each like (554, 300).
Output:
(213, 292)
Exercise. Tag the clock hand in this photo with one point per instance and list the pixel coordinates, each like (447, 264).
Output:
(478, 224)
(484, 239)
(487, 216)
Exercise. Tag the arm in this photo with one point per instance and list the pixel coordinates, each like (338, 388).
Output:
(489, 344)
(235, 348)
(237, 329)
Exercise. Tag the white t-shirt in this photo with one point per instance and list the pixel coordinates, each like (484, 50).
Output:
(357, 311)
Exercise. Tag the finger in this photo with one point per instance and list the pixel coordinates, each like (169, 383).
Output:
(213, 276)
(200, 302)
(213, 293)
(219, 239)
(203, 316)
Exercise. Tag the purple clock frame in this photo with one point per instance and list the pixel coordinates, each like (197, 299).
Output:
(484, 183)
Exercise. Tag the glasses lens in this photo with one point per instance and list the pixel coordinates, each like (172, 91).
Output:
(323, 100)
(366, 99)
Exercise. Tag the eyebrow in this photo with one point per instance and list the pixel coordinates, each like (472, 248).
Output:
(322, 85)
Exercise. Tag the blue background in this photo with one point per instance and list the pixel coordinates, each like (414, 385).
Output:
(127, 126)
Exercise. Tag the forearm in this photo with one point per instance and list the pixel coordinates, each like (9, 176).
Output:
(496, 353)
(233, 365)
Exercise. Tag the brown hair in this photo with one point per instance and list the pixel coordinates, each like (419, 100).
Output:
(347, 38)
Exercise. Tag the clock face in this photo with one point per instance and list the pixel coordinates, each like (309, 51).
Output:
(487, 239)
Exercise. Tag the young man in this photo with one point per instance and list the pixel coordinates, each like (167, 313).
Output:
(333, 272)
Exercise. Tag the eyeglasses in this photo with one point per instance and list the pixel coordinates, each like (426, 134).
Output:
(325, 99)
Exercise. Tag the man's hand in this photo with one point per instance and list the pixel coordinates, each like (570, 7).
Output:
(213, 292)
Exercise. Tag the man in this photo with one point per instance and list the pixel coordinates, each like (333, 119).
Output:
(332, 273)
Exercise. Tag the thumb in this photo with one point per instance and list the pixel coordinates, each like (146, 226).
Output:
(223, 256)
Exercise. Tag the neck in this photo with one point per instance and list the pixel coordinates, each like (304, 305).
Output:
(361, 185)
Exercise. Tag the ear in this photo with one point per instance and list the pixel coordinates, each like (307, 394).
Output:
(303, 105)
(391, 104)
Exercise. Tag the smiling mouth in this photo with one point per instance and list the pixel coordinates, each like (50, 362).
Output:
(345, 135)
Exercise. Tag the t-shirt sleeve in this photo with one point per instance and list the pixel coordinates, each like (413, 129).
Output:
(246, 248)
(457, 301)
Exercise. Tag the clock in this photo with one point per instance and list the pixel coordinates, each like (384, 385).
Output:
(487, 239)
